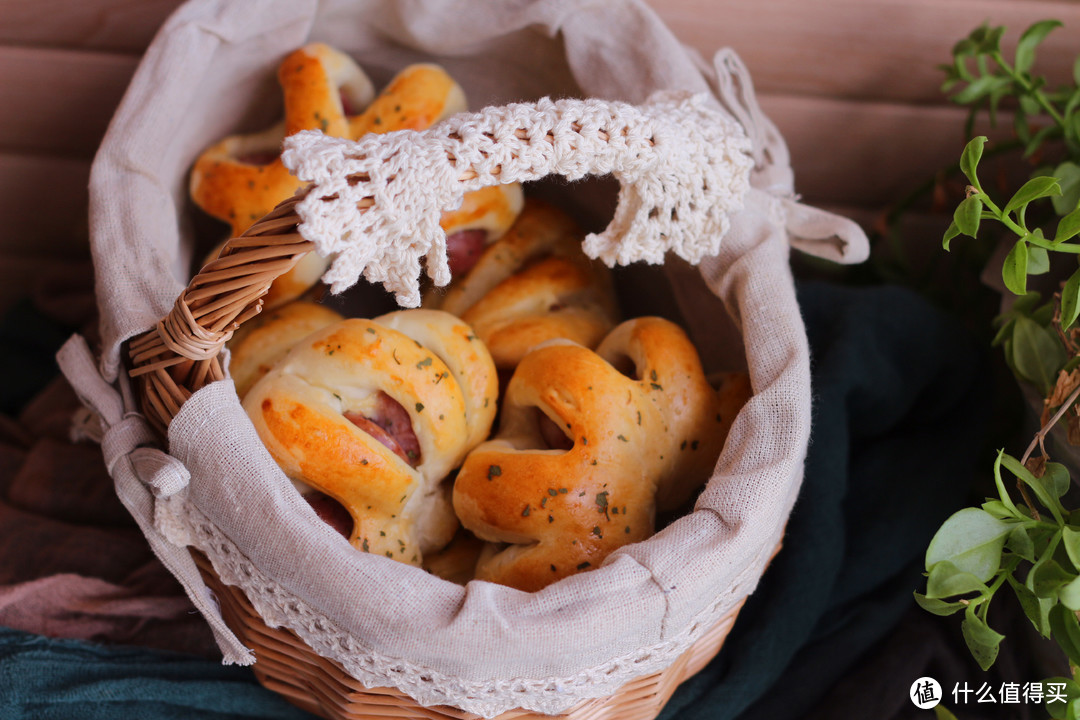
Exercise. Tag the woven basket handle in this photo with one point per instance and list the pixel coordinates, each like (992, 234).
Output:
(182, 353)
(374, 205)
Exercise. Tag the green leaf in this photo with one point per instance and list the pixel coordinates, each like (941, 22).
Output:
(1002, 492)
(1070, 538)
(967, 215)
(1068, 175)
(1029, 105)
(1066, 631)
(982, 641)
(999, 510)
(1048, 578)
(1033, 189)
(952, 232)
(1036, 141)
(1021, 126)
(1045, 488)
(1043, 315)
(1035, 610)
(1058, 709)
(943, 713)
(1073, 102)
(1004, 333)
(1076, 71)
(1072, 128)
(1070, 594)
(1070, 300)
(1056, 477)
(979, 88)
(1014, 269)
(1026, 304)
(1019, 542)
(946, 580)
(1008, 354)
(972, 541)
(1038, 260)
(1037, 354)
(1068, 227)
(966, 46)
(991, 41)
(969, 159)
(938, 607)
(1032, 37)
(960, 67)
(994, 101)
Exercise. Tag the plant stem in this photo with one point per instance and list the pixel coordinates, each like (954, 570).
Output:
(1020, 80)
(1002, 216)
(1045, 430)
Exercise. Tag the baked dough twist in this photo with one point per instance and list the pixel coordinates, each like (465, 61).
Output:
(533, 284)
(374, 419)
(563, 511)
(241, 178)
(268, 337)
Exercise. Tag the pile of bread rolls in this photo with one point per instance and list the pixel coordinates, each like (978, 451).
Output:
(385, 425)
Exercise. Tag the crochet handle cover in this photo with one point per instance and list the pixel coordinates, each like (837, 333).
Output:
(374, 204)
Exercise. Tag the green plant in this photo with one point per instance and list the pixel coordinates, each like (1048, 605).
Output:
(1030, 545)
(993, 79)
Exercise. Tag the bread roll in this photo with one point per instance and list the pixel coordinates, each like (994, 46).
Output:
(265, 339)
(241, 178)
(583, 450)
(533, 284)
(374, 419)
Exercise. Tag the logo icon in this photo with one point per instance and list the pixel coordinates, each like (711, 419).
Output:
(925, 693)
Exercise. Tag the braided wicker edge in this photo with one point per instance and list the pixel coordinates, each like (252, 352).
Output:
(289, 667)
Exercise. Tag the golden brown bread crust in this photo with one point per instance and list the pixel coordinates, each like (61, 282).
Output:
(693, 424)
(311, 409)
(241, 178)
(265, 339)
(563, 512)
(417, 98)
(467, 359)
(492, 209)
(533, 284)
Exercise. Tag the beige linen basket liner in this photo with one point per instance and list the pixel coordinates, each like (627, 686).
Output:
(342, 633)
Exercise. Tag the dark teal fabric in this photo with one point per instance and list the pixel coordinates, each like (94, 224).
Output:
(897, 431)
(44, 679)
(900, 399)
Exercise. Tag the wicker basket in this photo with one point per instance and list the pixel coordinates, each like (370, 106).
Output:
(292, 669)
(223, 295)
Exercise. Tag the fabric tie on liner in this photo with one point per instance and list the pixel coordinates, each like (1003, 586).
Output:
(141, 474)
(810, 230)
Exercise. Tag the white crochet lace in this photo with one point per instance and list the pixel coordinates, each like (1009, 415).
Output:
(682, 165)
(185, 524)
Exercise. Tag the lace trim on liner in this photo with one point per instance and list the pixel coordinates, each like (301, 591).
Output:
(185, 524)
